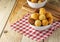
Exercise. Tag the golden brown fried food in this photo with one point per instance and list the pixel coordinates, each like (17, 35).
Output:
(49, 15)
(37, 23)
(31, 21)
(34, 1)
(42, 17)
(42, 11)
(35, 16)
(42, 0)
(39, 1)
(50, 20)
(45, 22)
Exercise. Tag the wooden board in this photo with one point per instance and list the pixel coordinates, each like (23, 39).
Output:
(55, 37)
(5, 9)
(54, 4)
(9, 35)
(48, 7)
(26, 39)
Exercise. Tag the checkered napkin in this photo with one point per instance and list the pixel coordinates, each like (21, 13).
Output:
(22, 26)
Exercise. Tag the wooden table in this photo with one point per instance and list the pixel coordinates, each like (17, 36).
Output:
(8, 35)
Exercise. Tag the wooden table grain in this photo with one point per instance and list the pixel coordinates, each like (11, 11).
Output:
(8, 35)
(5, 10)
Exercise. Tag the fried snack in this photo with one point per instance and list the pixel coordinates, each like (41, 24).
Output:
(31, 21)
(45, 22)
(49, 15)
(50, 20)
(35, 16)
(37, 23)
(42, 11)
(42, 17)
(39, 1)
(34, 1)
(42, 0)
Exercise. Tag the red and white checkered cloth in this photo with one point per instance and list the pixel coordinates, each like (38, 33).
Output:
(22, 26)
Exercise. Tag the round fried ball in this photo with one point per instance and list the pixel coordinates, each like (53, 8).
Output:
(37, 23)
(35, 16)
(39, 1)
(34, 1)
(50, 20)
(31, 21)
(42, 11)
(42, 17)
(49, 15)
(44, 22)
(42, 0)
